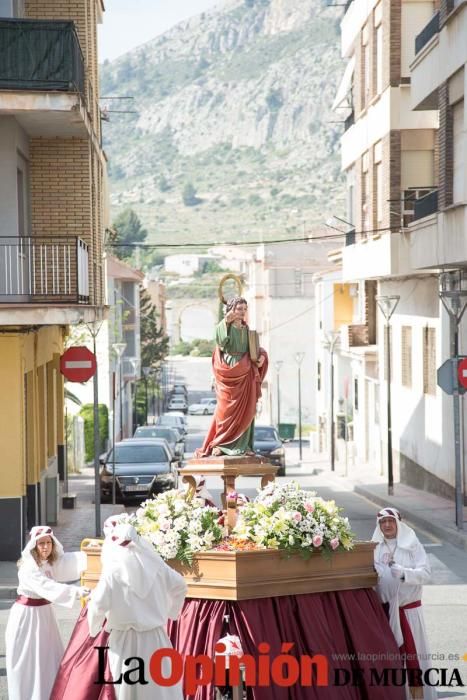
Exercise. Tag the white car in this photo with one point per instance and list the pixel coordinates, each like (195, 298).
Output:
(203, 408)
(178, 403)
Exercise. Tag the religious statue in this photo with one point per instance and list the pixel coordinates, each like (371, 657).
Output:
(239, 367)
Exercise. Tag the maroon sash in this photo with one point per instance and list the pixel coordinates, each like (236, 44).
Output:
(31, 602)
(408, 647)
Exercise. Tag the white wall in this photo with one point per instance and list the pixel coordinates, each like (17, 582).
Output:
(12, 140)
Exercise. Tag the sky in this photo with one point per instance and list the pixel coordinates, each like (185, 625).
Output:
(130, 23)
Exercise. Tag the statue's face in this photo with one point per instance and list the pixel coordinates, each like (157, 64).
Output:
(240, 310)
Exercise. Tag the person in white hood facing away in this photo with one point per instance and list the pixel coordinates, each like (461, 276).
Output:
(137, 594)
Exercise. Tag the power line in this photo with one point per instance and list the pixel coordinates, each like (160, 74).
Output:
(308, 239)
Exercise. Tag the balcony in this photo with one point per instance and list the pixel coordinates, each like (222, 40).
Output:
(44, 270)
(40, 55)
(427, 33)
(42, 77)
(424, 206)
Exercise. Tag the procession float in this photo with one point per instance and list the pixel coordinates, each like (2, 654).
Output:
(281, 575)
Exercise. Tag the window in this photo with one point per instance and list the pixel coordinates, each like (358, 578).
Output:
(11, 8)
(379, 58)
(355, 394)
(406, 356)
(429, 360)
(458, 152)
(379, 184)
(365, 195)
(365, 74)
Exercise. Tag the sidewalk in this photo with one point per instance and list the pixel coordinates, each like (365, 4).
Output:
(75, 525)
(427, 511)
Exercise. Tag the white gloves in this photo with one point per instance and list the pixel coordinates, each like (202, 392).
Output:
(83, 592)
(397, 571)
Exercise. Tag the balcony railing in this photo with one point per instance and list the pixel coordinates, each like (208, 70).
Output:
(424, 206)
(40, 55)
(427, 32)
(44, 270)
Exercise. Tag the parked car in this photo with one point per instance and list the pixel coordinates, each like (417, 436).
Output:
(142, 467)
(172, 436)
(179, 414)
(173, 421)
(267, 443)
(178, 403)
(203, 407)
(179, 389)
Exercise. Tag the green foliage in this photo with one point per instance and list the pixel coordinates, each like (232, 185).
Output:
(200, 347)
(181, 348)
(154, 344)
(128, 229)
(87, 413)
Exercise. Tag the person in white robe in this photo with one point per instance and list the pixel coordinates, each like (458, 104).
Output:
(403, 567)
(34, 648)
(137, 594)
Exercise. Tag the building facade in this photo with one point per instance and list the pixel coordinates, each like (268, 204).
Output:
(52, 219)
(395, 158)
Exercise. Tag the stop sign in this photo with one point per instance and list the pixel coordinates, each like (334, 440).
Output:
(462, 372)
(78, 364)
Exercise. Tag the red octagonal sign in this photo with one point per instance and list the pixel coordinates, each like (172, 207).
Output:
(78, 364)
(462, 372)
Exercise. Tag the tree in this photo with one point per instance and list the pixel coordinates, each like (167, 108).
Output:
(189, 195)
(154, 343)
(128, 229)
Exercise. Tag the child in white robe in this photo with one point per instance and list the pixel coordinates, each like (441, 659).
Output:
(402, 566)
(137, 593)
(34, 648)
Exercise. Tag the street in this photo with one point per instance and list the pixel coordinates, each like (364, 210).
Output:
(445, 600)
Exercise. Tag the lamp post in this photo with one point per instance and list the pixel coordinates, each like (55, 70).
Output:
(331, 341)
(299, 359)
(119, 349)
(387, 304)
(277, 366)
(453, 289)
(146, 372)
(134, 361)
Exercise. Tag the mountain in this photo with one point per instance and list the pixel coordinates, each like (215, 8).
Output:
(232, 136)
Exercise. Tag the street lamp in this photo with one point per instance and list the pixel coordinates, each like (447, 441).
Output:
(299, 359)
(277, 366)
(146, 372)
(453, 289)
(135, 362)
(331, 341)
(387, 304)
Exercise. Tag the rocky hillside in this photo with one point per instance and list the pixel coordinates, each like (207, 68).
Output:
(232, 136)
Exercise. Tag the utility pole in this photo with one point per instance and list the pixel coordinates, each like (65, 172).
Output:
(388, 304)
(453, 289)
(278, 366)
(299, 359)
(93, 331)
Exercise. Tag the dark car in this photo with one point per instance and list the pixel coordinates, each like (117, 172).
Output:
(180, 390)
(268, 444)
(172, 436)
(142, 467)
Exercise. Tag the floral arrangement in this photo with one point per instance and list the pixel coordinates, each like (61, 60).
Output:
(286, 517)
(178, 525)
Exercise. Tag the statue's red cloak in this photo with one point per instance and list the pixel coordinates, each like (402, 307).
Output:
(238, 388)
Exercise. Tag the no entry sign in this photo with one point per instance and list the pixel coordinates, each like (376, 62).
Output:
(78, 364)
(462, 373)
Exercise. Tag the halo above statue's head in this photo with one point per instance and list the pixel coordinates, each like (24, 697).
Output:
(238, 283)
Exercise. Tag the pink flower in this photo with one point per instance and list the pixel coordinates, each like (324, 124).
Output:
(334, 542)
(164, 524)
(317, 541)
(309, 507)
(297, 516)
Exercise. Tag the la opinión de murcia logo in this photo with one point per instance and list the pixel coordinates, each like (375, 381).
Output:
(283, 670)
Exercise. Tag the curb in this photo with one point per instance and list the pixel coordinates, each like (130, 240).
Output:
(8, 592)
(443, 533)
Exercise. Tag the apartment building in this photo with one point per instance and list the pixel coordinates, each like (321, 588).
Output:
(392, 156)
(52, 219)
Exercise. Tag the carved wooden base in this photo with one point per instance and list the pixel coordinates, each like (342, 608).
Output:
(228, 468)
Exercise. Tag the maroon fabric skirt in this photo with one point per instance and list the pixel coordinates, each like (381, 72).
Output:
(348, 627)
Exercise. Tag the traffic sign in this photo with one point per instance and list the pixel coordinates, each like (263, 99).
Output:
(445, 375)
(462, 372)
(78, 364)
